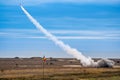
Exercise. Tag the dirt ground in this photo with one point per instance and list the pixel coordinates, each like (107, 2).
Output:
(61, 73)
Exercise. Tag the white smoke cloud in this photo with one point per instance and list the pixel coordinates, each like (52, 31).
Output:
(84, 60)
(105, 63)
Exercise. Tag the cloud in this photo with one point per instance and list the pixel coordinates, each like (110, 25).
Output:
(61, 34)
(36, 2)
(88, 23)
(76, 37)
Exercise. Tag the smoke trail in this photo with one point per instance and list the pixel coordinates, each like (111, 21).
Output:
(75, 53)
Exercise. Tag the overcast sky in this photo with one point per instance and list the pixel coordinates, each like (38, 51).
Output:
(91, 26)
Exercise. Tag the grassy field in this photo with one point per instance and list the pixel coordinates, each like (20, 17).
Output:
(61, 73)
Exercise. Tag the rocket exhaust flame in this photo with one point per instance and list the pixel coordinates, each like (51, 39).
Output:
(86, 61)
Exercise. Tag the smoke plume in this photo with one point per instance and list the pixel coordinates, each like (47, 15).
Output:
(105, 63)
(86, 61)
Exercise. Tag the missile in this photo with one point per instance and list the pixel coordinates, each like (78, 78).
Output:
(20, 3)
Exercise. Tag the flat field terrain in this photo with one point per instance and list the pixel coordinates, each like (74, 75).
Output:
(61, 73)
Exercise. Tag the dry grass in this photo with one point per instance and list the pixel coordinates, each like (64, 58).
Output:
(61, 73)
